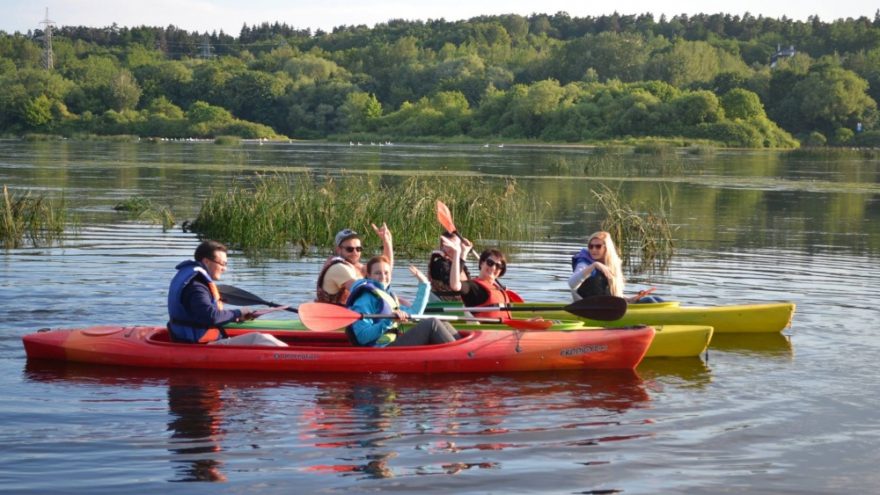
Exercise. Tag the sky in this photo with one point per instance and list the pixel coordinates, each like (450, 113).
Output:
(230, 15)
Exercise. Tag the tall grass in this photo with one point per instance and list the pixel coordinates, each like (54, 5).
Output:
(274, 213)
(26, 217)
(644, 240)
(138, 207)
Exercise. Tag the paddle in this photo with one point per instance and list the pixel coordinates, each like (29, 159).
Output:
(604, 308)
(324, 317)
(241, 297)
(444, 216)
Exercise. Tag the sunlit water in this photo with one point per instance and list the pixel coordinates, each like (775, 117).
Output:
(758, 414)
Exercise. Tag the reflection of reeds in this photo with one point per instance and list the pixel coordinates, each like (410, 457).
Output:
(35, 218)
(278, 211)
(644, 240)
(142, 208)
(832, 153)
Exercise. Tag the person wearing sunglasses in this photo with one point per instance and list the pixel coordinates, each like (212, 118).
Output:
(598, 271)
(440, 266)
(372, 295)
(484, 289)
(195, 312)
(341, 270)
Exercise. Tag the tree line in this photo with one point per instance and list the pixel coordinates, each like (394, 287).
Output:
(739, 81)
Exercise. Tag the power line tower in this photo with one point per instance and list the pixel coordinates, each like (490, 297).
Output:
(48, 58)
(207, 49)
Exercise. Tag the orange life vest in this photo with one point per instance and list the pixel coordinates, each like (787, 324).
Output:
(497, 297)
(323, 296)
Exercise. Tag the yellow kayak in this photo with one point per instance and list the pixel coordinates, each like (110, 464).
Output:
(679, 341)
(737, 318)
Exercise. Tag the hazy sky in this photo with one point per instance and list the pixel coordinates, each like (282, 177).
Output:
(229, 15)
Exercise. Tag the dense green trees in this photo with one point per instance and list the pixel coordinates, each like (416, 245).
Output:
(553, 78)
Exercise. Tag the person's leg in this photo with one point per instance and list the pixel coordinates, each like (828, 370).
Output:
(429, 331)
(649, 299)
(449, 331)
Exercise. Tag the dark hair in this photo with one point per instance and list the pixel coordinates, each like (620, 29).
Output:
(207, 249)
(498, 254)
(376, 259)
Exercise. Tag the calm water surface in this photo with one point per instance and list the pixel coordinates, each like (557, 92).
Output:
(763, 414)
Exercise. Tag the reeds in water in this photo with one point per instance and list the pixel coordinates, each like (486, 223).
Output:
(274, 213)
(27, 217)
(644, 240)
(141, 208)
(607, 165)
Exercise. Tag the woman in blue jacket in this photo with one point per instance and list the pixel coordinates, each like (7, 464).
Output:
(373, 295)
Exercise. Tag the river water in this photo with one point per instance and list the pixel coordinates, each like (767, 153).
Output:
(795, 413)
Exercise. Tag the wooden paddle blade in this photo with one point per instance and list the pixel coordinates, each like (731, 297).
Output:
(513, 296)
(603, 308)
(528, 324)
(444, 216)
(323, 317)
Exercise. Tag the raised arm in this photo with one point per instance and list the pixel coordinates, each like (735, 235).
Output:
(384, 233)
(455, 270)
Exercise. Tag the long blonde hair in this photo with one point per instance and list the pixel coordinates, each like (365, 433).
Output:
(612, 261)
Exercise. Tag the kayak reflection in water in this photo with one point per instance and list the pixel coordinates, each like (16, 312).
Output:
(598, 271)
(373, 295)
(196, 431)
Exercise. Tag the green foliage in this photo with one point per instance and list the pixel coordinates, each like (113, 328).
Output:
(868, 138)
(542, 77)
(843, 136)
(37, 112)
(740, 103)
(815, 139)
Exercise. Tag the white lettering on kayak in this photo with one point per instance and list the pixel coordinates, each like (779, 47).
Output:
(584, 349)
(298, 357)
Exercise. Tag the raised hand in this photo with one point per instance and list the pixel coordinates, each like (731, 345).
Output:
(418, 274)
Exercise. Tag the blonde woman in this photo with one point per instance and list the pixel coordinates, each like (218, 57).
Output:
(598, 271)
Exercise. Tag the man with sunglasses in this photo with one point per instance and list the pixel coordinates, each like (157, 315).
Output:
(344, 268)
(195, 311)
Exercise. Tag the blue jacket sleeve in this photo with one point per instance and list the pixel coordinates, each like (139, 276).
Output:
(421, 300)
(369, 330)
(196, 298)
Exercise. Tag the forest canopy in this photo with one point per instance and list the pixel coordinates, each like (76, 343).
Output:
(740, 81)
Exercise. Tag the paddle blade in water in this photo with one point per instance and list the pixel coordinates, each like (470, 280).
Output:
(603, 308)
(323, 317)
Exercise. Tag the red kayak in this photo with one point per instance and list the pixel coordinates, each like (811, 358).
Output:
(477, 352)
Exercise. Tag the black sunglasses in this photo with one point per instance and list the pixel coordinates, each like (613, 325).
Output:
(353, 249)
(492, 263)
(596, 246)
